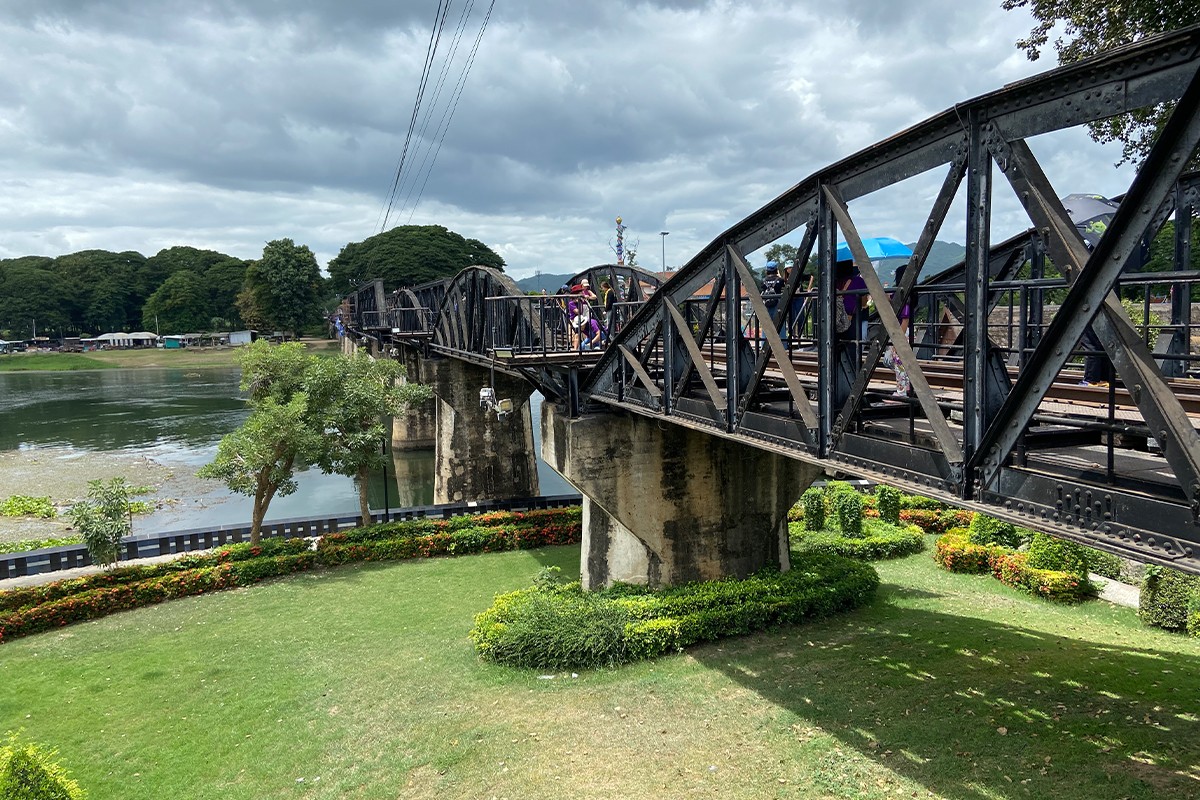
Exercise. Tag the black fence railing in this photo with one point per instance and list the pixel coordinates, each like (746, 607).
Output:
(54, 559)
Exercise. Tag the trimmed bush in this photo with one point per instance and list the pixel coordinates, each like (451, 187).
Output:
(917, 502)
(1106, 564)
(1193, 615)
(29, 772)
(560, 627)
(879, 541)
(813, 501)
(1049, 552)
(934, 521)
(1012, 569)
(887, 502)
(847, 507)
(986, 530)
(1167, 594)
(957, 553)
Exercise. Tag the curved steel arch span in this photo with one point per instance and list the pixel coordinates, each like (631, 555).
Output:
(995, 420)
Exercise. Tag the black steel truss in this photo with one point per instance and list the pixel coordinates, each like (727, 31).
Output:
(982, 414)
(994, 421)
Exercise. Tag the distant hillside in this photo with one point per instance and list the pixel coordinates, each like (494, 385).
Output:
(551, 283)
(942, 255)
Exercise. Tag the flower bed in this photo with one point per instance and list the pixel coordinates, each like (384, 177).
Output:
(957, 553)
(39, 608)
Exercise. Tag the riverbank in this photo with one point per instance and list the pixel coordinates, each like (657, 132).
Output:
(146, 358)
(62, 474)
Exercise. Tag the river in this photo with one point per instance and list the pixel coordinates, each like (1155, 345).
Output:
(176, 418)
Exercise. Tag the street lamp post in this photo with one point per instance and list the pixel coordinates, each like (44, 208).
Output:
(663, 234)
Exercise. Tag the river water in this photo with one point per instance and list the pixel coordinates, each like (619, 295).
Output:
(176, 418)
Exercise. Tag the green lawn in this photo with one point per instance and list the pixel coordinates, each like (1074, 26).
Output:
(57, 362)
(361, 682)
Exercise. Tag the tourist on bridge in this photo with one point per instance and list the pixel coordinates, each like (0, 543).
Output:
(848, 319)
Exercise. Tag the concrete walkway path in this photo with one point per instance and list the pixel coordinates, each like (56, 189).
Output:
(1117, 593)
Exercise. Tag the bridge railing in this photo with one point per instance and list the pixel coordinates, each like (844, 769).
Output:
(544, 325)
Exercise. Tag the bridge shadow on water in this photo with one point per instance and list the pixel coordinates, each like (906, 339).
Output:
(972, 708)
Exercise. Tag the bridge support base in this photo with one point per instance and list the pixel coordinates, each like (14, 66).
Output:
(417, 429)
(667, 505)
(476, 455)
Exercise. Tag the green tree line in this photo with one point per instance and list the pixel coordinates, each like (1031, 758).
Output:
(188, 290)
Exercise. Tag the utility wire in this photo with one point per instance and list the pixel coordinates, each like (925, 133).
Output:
(430, 52)
(448, 116)
(423, 142)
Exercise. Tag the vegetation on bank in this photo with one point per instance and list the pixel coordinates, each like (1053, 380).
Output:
(305, 410)
(187, 290)
(51, 362)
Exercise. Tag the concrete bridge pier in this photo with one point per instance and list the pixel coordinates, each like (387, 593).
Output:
(476, 455)
(417, 429)
(665, 505)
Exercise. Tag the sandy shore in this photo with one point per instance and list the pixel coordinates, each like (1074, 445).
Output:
(63, 473)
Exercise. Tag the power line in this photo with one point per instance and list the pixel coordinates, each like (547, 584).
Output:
(430, 52)
(455, 97)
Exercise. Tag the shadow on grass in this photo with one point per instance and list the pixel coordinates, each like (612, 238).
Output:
(973, 709)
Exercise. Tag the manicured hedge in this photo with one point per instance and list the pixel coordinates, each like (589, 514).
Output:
(29, 772)
(879, 541)
(957, 553)
(1012, 569)
(39, 608)
(935, 521)
(563, 627)
(1167, 594)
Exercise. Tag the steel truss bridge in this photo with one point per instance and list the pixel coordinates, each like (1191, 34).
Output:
(996, 420)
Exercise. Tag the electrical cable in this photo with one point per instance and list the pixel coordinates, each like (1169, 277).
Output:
(458, 89)
(430, 52)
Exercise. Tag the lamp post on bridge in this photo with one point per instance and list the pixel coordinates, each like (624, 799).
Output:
(663, 234)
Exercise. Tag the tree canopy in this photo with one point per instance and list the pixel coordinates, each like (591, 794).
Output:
(96, 291)
(408, 255)
(307, 409)
(1088, 28)
(284, 287)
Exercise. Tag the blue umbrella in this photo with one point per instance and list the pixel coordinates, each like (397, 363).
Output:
(877, 248)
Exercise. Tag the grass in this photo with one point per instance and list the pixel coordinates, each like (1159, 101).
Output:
(57, 362)
(191, 357)
(362, 682)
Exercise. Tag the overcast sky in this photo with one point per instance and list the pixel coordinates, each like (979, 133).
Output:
(224, 124)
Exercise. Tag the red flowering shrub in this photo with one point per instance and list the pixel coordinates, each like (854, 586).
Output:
(956, 553)
(40, 608)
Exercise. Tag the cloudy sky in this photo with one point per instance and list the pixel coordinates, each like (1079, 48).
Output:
(223, 124)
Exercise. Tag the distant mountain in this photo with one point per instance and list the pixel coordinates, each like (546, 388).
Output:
(551, 283)
(942, 255)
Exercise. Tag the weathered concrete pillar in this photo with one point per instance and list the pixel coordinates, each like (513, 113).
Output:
(417, 429)
(476, 455)
(665, 504)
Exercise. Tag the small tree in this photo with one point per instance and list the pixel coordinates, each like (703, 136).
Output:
(260, 458)
(349, 400)
(104, 519)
